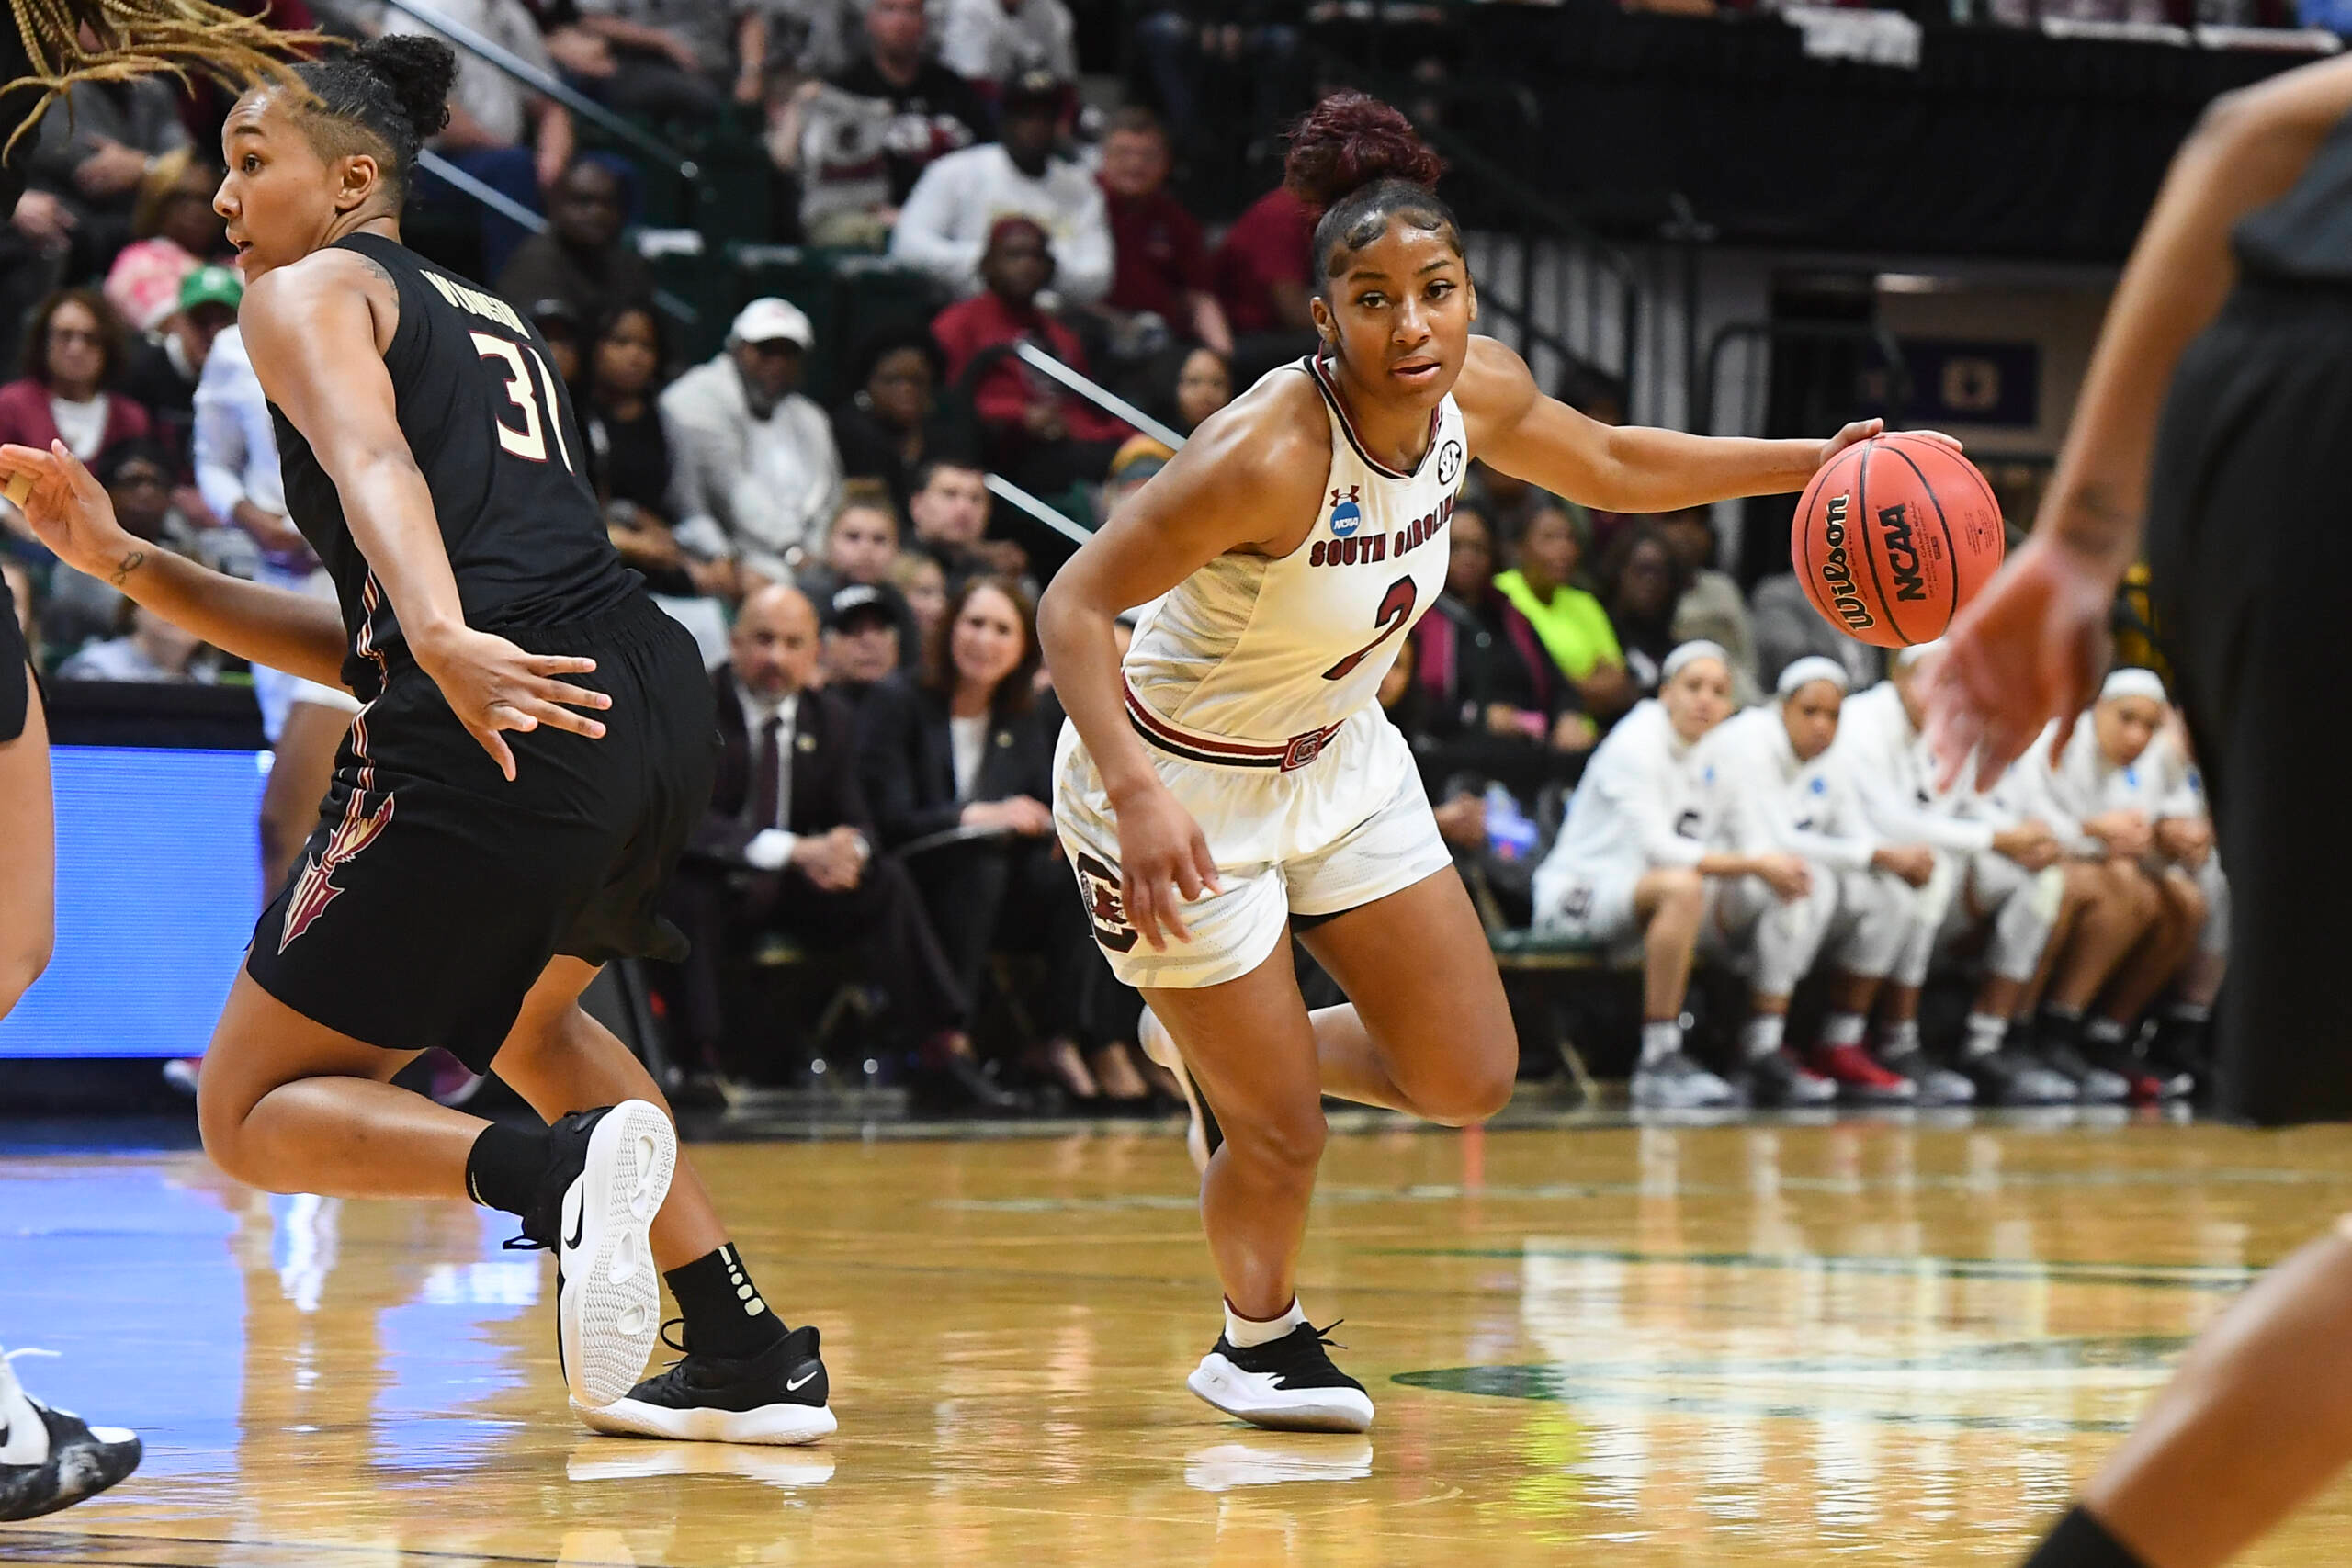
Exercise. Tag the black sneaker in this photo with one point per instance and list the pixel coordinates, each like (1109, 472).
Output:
(609, 1171)
(1285, 1385)
(2094, 1085)
(1778, 1078)
(51, 1458)
(1939, 1084)
(2181, 1049)
(2013, 1076)
(776, 1396)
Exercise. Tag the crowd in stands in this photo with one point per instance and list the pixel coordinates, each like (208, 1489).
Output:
(865, 600)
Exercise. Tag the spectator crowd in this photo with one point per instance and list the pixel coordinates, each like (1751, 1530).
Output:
(865, 600)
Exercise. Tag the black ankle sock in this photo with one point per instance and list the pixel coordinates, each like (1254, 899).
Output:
(504, 1168)
(2081, 1542)
(724, 1313)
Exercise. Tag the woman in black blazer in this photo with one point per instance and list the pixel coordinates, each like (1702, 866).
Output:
(967, 744)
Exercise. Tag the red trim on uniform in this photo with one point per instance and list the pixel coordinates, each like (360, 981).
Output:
(315, 888)
(1287, 755)
(1329, 387)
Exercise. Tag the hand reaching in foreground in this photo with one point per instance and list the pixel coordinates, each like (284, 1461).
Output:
(2031, 648)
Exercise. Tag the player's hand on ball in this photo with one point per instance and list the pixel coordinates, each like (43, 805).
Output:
(2031, 648)
(1164, 861)
(1863, 429)
(492, 685)
(68, 508)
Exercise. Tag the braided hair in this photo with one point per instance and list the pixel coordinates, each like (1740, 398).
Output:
(141, 38)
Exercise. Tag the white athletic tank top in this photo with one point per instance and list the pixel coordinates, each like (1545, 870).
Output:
(1253, 661)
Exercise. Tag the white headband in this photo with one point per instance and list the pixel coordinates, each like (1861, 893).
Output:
(1811, 668)
(1905, 657)
(2131, 681)
(1689, 653)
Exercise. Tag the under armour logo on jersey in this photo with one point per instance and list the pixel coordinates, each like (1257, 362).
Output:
(315, 888)
(1347, 511)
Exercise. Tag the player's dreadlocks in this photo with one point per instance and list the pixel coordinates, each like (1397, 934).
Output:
(140, 38)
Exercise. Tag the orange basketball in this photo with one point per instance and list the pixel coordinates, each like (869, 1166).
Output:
(1894, 536)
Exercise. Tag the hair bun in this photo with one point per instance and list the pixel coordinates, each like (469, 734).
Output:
(419, 70)
(1349, 141)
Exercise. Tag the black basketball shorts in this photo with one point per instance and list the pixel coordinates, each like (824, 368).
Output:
(15, 670)
(434, 893)
(2250, 554)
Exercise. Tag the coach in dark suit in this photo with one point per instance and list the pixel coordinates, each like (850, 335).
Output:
(788, 845)
(969, 744)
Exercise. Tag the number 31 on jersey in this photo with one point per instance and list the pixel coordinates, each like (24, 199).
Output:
(530, 441)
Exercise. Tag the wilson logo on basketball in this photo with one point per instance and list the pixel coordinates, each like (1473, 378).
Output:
(1837, 573)
(1901, 555)
(315, 888)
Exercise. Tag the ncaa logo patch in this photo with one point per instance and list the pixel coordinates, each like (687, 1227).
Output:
(1448, 462)
(1347, 513)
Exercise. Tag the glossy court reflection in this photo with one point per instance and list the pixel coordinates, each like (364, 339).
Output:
(1677, 1345)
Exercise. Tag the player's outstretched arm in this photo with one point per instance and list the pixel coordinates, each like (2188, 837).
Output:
(2033, 645)
(1515, 428)
(316, 331)
(1257, 462)
(69, 509)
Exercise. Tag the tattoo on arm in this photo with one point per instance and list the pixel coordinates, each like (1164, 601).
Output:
(130, 563)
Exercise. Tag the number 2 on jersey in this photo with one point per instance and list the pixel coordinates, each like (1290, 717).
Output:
(1395, 609)
(531, 440)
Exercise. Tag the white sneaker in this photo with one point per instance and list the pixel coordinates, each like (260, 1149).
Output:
(1285, 1385)
(50, 1458)
(1674, 1082)
(609, 1292)
(1203, 1135)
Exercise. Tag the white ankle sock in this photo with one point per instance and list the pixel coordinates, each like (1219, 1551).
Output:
(1660, 1038)
(1899, 1039)
(1241, 1331)
(1843, 1029)
(2104, 1032)
(1985, 1033)
(1761, 1035)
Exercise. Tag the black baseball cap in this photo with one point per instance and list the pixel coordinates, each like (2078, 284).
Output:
(858, 601)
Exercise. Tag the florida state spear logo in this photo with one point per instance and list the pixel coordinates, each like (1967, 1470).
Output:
(315, 888)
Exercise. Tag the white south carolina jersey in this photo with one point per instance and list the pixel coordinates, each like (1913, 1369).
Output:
(1253, 661)
(1760, 800)
(2069, 788)
(1635, 807)
(1887, 761)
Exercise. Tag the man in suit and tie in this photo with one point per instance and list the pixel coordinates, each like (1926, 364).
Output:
(788, 846)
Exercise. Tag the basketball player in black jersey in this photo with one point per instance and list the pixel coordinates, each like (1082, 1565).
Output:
(2234, 323)
(535, 746)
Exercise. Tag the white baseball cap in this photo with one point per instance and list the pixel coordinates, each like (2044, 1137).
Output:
(764, 320)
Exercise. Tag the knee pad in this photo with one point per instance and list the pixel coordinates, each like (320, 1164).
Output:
(2021, 926)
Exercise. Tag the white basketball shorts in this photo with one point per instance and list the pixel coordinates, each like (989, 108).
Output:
(1350, 825)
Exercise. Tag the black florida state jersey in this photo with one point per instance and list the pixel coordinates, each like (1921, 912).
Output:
(490, 425)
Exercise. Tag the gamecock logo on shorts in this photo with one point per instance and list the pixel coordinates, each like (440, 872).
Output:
(315, 888)
(1106, 907)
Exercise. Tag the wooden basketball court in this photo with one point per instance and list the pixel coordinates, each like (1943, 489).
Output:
(1775, 1344)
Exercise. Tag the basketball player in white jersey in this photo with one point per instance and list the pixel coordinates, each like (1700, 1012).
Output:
(1994, 875)
(2102, 795)
(1235, 780)
(1772, 787)
(1630, 860)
